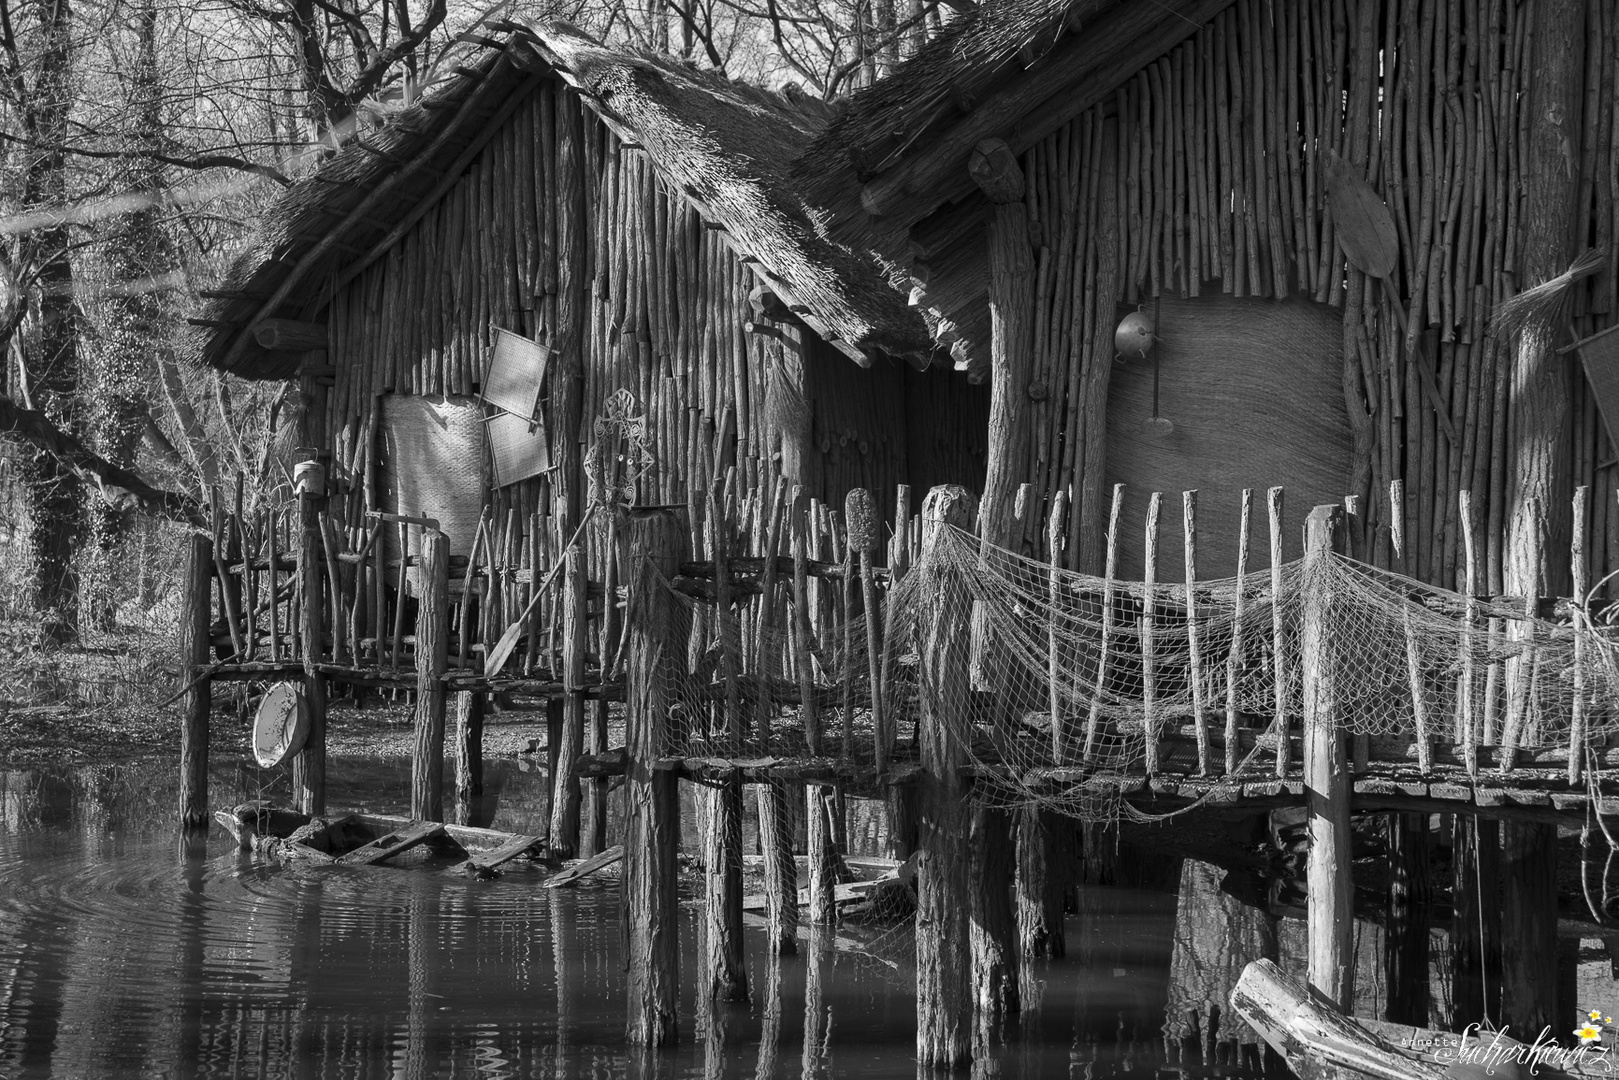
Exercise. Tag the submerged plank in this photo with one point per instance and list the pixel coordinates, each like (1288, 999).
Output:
(586, 868)
(484, 861)
(393, 843)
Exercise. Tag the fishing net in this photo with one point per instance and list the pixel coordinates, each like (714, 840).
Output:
(1070, 688)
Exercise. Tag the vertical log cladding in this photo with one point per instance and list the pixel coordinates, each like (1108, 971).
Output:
(198, 698)
(1539, 379)
(1326, 776)
(658, 544)
(432, 657)
(1011, 306)
(572, 311)
(943, 1004)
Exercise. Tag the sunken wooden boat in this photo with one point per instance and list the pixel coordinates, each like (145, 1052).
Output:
(1320, 1043)
(373, 840)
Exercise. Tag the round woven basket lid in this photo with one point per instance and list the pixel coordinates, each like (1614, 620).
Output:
(281, 726)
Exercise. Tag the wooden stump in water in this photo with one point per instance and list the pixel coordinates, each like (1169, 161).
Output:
(727, 974)
(1405, 963)
(994, 928)
(1045, 856)
(1476, 920)
(823, 857)
(1529, 926)
(780, 869)
(467, 748)
(652, 833)
(198, 696)
(943, 1004)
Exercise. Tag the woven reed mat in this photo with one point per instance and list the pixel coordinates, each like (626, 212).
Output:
(433, 465)
(1255, 391)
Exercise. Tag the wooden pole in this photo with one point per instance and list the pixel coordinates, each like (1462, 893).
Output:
(1326, 774)
(1054, 537)
(467, 747)
(993, 932)
(1233, 667)
(780, 870)
(943, 1004)
(309, 767)
(823, 863)
(1194, 652)
(1279, 638)
(1044, 852)
(727, 973)
(1149, 667)
(195, 620)
(564, 781)
(432, 658)
(651, 884)
(802, 629)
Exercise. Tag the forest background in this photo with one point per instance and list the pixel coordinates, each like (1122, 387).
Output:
(140, 140)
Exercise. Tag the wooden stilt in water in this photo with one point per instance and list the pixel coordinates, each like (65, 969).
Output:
(657, 547)
(1405, 957)
(943, 1005)
(727, 974)
(780, 870)
(467, 750)
(993, 932)
(1041, 878)
(823, 862)
(432, 657)
(1528, 926)
(309, 767)
(565, 783)
(1476, 920)
(198, 697)
(1326, 775)
(901, 806)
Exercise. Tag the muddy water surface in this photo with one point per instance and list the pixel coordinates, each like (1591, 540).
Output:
(124, 952)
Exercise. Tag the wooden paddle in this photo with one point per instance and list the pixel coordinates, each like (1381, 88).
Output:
(496, 658)
(1367, 235)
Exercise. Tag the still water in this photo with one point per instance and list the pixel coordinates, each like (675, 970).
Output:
(124, 952)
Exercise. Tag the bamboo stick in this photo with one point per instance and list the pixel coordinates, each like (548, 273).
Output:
(1149, 660)
(801, 622)
(1466, 719)
(1092, 722)
(1234, 658)
(1576, 735)
(1194, 648)
(1054, 667)
(1278, 638)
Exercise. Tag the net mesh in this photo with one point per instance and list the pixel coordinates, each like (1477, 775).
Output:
(1078, 684)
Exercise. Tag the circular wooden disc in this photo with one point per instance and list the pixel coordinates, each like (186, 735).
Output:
(281, 726)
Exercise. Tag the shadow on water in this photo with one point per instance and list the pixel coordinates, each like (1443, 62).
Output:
(125, 951)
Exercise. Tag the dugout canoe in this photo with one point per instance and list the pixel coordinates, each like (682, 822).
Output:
(359, 839)
(1320, 1043)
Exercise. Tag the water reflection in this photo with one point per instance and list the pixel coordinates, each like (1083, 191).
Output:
(123, 952)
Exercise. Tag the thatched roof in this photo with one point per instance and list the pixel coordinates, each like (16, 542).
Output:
(725, 145)
(891, 171)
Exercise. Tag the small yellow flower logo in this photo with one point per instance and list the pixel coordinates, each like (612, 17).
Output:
(1588, 1033)
(1595, 1014)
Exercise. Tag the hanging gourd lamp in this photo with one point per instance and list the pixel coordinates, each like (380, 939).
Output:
(1134, 339)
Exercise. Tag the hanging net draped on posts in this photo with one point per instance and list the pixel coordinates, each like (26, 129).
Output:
(1127, 673)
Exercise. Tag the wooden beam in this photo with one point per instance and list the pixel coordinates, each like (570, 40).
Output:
(290, 335)
(1082, 70)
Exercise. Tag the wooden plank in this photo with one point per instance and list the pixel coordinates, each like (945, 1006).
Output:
(585, 869)
(484, 861)
(393, 843)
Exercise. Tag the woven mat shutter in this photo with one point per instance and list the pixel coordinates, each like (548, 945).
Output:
(433, 465)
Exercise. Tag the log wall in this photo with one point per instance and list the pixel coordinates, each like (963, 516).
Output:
(1209, 171)
(667, 318)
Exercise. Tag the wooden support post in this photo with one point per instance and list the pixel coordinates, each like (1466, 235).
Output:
(993, 932)
(1476, 920)
(1528, 926)
(943, 1005)
(651, 885)
(727, 973)
(1405, 957)
(1045, 852)
(1326, 774)
(797, 512)
(780, 870)
(309, 767)
(432, 658)
(1273, 499)
(467, 749)
(823, 858)
(902, 825)
(1151, 721)
(564, 781)
(196, 618)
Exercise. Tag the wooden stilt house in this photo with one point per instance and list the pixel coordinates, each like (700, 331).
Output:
(621, 223)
